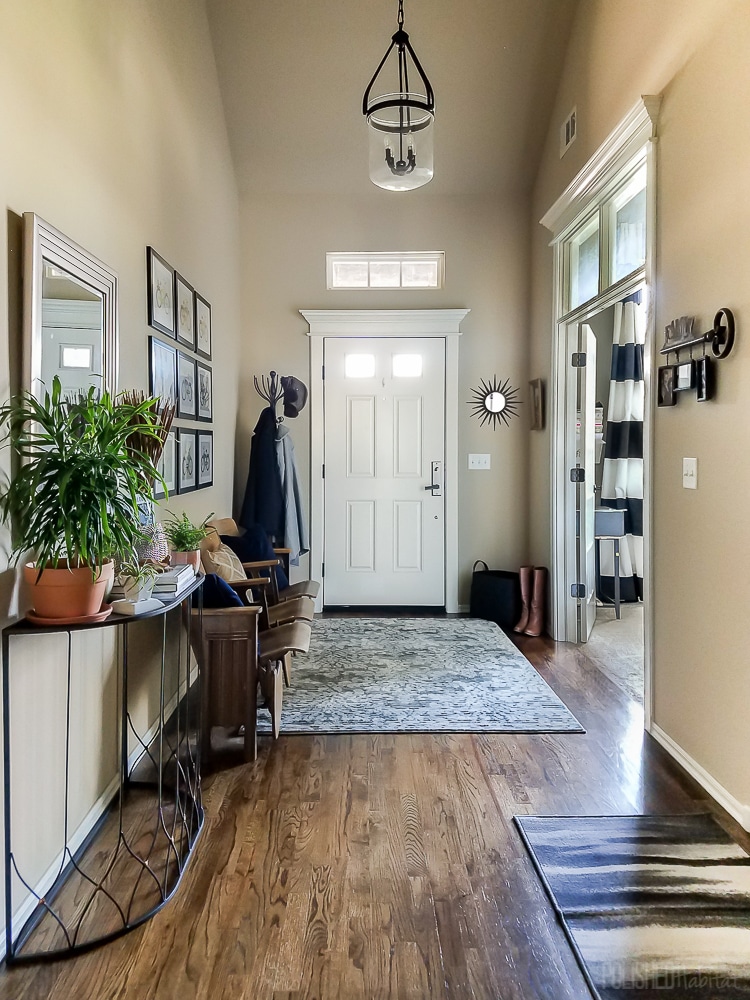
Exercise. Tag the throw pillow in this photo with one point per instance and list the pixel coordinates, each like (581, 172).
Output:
(218, 594)
(255, 545)
(224, 563)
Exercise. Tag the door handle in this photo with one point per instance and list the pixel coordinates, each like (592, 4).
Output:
(436, 484)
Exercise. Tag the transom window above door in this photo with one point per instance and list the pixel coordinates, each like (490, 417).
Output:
(609, 244)
(418, 269)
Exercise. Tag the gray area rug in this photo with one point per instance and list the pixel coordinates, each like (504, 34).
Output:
(654, 907)
(431, 675)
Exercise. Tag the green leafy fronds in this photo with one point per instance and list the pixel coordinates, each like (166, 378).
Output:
(79, 477)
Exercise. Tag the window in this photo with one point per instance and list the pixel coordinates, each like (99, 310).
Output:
(583, 257)
(607, 246)
(385, 270)
(359, 365)
(75, 357)
(407, 365)
(628, 225)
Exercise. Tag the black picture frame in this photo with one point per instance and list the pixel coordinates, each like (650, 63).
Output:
(162, 369)
(184, 297)
(203, 333)
(666, 395)
(684, 375)
(186, 466)
(204, 392)
(704, 380)
(167, 466)
(205, 459)
(160, 293)
(186, 387)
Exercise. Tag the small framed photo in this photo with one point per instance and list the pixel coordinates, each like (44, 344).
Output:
(185, 299)
(203, 327)
(205, 392)
(186, 393)
(704, 380)
(162, 369)
(666, 385)
(167, 467)
(537, 404)
(205, 459)
(187, 467)
(160, 286)
(685, 376)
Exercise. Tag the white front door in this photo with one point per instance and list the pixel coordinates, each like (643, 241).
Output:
(384, 454)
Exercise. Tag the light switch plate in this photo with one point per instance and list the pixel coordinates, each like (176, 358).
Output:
(479, 461)
(690, 473)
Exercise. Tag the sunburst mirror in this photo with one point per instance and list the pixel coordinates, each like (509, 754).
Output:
(493, 401)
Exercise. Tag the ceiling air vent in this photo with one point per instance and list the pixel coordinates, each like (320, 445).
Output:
(567, 133)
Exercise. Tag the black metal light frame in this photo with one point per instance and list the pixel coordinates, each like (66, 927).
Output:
(400, 40)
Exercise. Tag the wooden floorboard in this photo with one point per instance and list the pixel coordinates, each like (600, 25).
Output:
(385, 866)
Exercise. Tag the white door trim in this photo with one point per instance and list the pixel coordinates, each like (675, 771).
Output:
(635, 137)
(385, 323)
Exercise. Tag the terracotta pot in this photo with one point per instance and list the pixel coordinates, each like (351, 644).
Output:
(192, 558)
(68, 593)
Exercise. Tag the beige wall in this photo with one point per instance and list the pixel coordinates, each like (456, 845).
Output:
(285, 240)
(113, 132)
(693, 53)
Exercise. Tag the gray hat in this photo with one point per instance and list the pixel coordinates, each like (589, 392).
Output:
(295, 395)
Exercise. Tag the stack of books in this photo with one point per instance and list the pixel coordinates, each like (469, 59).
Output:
(172, 582)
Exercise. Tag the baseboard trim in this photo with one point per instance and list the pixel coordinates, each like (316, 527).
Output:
(738, 810)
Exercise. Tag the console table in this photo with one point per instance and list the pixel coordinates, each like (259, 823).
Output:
(132, 860)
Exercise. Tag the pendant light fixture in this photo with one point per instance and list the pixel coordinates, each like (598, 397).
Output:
(400, 120)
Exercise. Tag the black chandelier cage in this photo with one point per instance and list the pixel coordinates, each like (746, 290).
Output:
(400, 121)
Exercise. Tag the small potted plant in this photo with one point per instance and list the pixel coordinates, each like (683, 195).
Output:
(72, 499)
(136, 579)
(185, 538)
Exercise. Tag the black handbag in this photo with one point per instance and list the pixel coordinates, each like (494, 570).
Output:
(495, 595)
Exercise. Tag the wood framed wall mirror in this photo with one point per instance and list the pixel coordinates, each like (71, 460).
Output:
(70, 314)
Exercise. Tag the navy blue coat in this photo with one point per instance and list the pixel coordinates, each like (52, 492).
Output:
(264, 498)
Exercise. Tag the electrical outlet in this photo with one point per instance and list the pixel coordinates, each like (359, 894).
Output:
(690, 473)
(479, 461)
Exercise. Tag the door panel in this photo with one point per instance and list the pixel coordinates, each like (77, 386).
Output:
(384, 431)
(407, 518)
(361, 437)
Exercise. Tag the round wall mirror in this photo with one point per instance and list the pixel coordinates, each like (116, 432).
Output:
(493, 401)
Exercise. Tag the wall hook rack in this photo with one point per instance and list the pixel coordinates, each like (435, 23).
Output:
(693, 373)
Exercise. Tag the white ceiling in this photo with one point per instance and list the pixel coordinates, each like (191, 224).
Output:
(293, 72)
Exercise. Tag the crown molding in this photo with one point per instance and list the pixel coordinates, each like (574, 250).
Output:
(637, 128)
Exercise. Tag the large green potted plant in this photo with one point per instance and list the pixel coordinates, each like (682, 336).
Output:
(72, 499)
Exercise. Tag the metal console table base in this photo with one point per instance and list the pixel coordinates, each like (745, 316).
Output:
(132, 861)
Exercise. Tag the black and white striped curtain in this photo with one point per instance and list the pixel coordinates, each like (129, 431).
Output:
(622, 475)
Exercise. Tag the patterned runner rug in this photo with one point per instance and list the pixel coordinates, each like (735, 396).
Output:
(430, 675)
(655, 907)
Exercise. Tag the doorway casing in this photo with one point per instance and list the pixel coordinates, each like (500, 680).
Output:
(386, 323)
(632, 141)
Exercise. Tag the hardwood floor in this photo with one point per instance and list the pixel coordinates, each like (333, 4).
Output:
(368, 867)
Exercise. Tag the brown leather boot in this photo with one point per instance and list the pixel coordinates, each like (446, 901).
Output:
(535, 624)
(525, 574)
